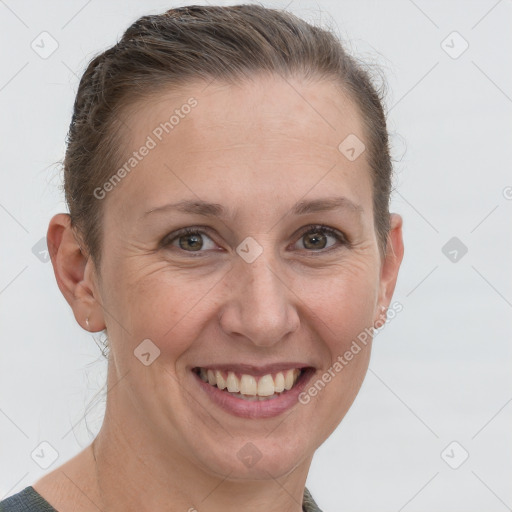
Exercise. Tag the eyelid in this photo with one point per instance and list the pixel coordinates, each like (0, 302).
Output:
(339, 235)
(326, 229)
(201, 230)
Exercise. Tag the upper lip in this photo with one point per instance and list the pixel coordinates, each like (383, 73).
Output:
(255, 370)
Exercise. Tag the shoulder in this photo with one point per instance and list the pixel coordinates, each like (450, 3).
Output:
(57, 492)
(308, 503)
(27, 500)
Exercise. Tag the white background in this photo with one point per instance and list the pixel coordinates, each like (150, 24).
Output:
(439, 372)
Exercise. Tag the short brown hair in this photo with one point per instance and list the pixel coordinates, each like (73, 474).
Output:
(205, 42)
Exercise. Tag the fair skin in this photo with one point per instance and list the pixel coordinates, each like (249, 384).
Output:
(257, 149)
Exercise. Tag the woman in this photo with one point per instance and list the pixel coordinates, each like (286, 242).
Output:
(228, 178)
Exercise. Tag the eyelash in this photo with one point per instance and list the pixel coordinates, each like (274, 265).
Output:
(316, 228)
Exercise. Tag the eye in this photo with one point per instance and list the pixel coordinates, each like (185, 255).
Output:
(316, 237)
(189, 239)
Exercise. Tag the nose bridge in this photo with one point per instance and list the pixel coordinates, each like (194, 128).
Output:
(263, 285)
(259, 307)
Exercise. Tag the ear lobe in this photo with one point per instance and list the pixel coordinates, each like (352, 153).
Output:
(392, 260)
(70, 266)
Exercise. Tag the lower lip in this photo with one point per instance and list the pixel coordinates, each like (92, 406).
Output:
(256, 409)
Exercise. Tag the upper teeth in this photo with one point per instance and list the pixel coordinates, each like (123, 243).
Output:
(248, 384)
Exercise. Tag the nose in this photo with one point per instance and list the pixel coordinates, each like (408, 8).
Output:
(259, 305)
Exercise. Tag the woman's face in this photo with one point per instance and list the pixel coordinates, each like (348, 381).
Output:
(256, 289)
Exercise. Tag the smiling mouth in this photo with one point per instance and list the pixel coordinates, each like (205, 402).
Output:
(250, 387)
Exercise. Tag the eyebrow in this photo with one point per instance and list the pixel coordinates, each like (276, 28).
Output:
(207, 209)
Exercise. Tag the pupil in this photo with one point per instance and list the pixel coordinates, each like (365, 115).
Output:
(313, 237)
(196, 242)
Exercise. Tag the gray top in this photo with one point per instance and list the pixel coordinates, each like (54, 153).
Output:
(29, 500)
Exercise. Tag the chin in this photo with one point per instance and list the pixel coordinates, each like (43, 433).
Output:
(256, 459)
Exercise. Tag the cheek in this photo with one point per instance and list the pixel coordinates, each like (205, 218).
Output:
(341, 312)
(169, 307)
(343, 302)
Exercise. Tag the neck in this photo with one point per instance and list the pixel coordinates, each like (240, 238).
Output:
(134, 474)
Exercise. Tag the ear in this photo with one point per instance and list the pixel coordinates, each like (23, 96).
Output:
(75, 273)
(390, 266)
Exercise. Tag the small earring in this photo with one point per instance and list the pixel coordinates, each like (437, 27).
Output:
(382, 311)
(87, 323)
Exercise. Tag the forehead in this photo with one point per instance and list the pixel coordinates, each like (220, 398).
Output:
(270, 133)
(320, 109)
